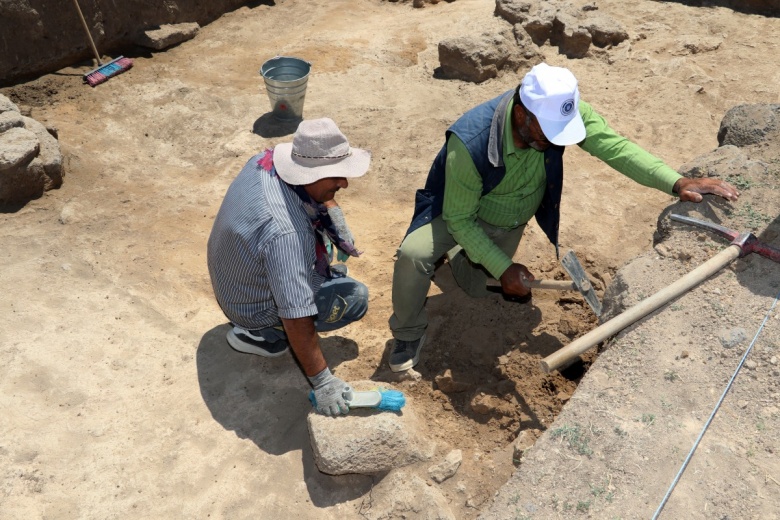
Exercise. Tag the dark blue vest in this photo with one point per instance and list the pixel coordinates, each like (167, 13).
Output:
(482, 129)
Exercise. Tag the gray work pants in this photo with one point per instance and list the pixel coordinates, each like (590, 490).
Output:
(415, 263)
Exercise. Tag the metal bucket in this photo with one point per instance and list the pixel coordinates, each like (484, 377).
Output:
(285, 82)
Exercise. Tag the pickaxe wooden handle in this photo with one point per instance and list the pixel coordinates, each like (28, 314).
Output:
(560, 285)
(565, 356)
(741, 245)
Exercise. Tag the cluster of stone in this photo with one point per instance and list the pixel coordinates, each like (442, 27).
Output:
(572, 30)
(30, 157)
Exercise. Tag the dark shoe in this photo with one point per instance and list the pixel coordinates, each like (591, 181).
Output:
(405, 354)
(244, 341)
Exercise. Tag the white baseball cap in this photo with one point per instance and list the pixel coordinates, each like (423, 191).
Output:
(551, 94)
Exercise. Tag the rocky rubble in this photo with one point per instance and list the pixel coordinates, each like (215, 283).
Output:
(571, 30)
(30, 157)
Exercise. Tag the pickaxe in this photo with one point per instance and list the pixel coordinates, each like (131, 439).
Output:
(580, 283)
(741, 244)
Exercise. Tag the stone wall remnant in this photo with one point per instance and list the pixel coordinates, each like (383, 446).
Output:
(30, 157)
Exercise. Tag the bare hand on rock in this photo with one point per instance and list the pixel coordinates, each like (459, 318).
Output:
(691, 190)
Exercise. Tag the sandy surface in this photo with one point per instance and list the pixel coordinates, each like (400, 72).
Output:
(121, 398)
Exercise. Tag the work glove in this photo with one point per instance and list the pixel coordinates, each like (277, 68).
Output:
(328, 394)
(337, 217)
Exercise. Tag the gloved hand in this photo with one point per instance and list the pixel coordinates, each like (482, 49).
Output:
(329, 393)
(337, 216)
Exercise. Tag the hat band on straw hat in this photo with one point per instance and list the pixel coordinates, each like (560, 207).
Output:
(296, 154)
(319, 150)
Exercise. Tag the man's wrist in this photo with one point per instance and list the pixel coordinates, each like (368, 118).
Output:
(320, 378)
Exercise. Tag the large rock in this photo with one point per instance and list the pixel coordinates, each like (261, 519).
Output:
(10, 120)
(6, 105)
(513, 11)
(478, 58)
(745, 125)
(569, 29)
(167, 35)
(30, 157)
(571, 38)
(18, 146)
(367, 441)
(49, 153)
(401, 495)
(605, 30)
(725, 161)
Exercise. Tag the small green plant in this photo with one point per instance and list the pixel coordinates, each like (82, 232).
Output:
(740, 182)
(583, 506)
(754, 217)
(718, 308)
(597, 491)
(648, 418)
(575, 437)
(676, 307)
(620, 432)
(709, 244)
(671, 376)
(760, 425)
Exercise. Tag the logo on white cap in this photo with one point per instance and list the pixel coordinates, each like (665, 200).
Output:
(567, 107)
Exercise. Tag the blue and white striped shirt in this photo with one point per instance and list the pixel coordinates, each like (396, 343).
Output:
(261, 252)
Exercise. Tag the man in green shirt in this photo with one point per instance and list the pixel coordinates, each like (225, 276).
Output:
(501, 165)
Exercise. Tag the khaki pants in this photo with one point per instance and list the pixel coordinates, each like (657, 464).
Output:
(416, 260)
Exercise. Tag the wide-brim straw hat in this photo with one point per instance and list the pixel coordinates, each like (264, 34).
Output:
(319, 150)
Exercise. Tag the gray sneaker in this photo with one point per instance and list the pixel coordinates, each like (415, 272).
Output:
(405, 354)
(244, 341)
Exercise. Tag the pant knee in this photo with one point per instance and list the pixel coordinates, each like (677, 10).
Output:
(412, 256)
(357, 302)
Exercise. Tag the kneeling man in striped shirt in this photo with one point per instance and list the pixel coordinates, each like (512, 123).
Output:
(269, 253)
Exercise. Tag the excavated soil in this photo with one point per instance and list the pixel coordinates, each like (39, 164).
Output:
(121, 397)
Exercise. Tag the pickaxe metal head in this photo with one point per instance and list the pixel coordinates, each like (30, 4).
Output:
(581, 281)
(747, 242)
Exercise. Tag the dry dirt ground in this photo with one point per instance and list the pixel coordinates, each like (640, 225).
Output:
(120, 397)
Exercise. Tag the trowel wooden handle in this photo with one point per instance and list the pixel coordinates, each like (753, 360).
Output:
(565, 356)
(560, 285)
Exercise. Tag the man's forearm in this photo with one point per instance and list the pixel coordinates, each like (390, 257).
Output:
(479, 247)
(305, 344)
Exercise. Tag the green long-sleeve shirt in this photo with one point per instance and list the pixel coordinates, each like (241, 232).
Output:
(516, 198)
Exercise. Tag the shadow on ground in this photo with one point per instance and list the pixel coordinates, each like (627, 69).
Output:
(266, 401)
(269, 126)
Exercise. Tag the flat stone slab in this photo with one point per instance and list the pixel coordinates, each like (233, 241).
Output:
(168, 35)
(367, 441)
